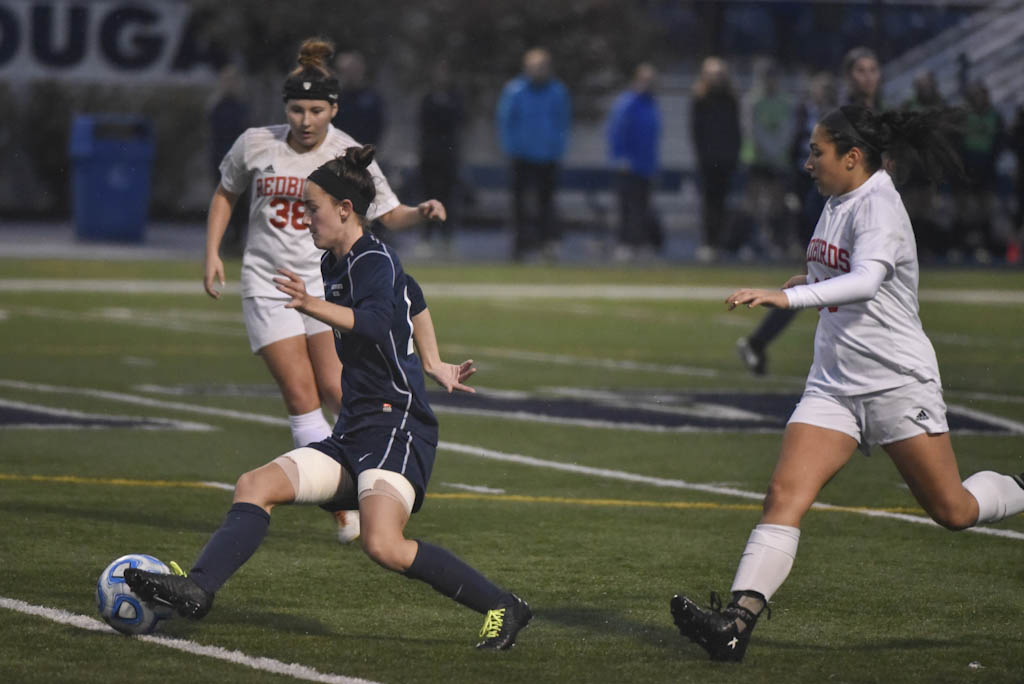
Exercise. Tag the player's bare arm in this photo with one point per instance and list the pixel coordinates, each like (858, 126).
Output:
(450, 376)
(218, 216)
(794, 281)
(339, 317)
(403, 216)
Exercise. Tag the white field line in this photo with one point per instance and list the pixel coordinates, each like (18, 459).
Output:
(153, 423)
(491, 290)
(528, 417)
(583, 361)
(480, 452)
(293, 670)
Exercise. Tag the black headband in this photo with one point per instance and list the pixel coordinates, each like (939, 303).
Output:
(340, 189)
(307, 86)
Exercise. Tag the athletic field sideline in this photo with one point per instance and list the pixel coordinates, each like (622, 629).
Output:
(615, 455)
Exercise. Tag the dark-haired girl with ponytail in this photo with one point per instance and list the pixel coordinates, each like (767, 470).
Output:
(874, 379)
(381, 453)
(273, 162)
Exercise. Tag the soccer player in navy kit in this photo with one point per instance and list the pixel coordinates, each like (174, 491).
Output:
(384, 456)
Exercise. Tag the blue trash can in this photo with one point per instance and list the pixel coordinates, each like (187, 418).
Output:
(111, 156)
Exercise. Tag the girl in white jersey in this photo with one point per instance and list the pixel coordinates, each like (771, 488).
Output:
(874, 379)
(273, 162)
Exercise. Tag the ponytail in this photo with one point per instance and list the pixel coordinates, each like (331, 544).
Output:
(908, 139)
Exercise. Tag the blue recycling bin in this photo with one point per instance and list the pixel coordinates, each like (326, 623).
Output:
(111, 156)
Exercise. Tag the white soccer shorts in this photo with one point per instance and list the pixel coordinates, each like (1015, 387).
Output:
(880, 417)
(267, 321)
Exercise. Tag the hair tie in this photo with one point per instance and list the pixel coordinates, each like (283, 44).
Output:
(340, 189)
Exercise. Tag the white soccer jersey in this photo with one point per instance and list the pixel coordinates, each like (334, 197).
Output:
(275, 173)
(876, 344)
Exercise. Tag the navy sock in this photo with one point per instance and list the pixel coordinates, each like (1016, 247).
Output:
(230, 546)
(446, 573)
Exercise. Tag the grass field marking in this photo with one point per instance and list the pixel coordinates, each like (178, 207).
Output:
(477, 291)
(527, 416)
(472, 493)
(146, 401)
(570, 360)
(71, 414)
(135, 317)
(114, 481)
(608, 473)
(1016, 427)
(481, 452)
(293, 670)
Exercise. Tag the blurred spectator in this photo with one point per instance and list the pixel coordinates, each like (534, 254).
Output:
(820, 100)
(863, 77)
(918, 191)
(228, 117)
(533, 126)
(926, 93)
(441, 119)
(715, 124)
(983, 141)
(634, 131)
(1013, 254)
(771, 131)
(360, 108)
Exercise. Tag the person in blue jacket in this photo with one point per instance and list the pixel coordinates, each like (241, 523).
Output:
(634, 131)
(533, 125)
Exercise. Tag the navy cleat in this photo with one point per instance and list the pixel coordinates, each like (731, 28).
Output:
(724, 634)
(752, 356)
(503, 623)
(177, 591)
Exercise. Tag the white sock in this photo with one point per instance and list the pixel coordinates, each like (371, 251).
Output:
(999, 496)
(309, 427)
(767, 559)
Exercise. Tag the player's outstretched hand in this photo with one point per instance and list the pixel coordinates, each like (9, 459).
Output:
(771, 298)
(293, 286)
(213, 272)
(452, 377)
(432, 210)
(794, 281)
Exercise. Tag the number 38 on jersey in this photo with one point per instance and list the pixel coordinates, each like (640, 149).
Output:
(287, 212)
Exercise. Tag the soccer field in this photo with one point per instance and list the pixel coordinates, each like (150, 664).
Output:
(615, 455)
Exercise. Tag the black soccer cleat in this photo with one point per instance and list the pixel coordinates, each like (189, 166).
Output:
(715, 630)
(503, 623)
(177, 591)
(752, 356)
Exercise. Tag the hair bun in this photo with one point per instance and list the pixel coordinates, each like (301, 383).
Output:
(361, 156)
(315, 53)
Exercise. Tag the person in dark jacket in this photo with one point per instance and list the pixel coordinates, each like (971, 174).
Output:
(361, 111)
(715, 124)
(441, 118)
(634, 131)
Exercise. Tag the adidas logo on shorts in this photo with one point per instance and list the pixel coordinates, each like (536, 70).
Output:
(921, 415)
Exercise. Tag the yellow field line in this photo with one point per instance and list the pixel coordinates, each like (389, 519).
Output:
(118, 481)
(461, 496)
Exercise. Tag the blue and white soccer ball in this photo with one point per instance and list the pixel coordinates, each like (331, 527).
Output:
(119, 606)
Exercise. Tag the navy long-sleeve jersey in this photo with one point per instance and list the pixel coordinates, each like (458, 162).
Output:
(382, 379)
